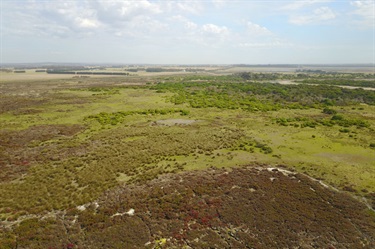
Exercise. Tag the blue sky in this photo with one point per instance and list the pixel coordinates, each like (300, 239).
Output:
(188, 31)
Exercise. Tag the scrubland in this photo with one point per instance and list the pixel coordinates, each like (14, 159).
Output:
(191, 154)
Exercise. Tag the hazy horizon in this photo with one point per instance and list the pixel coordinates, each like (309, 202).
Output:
(216, 32)
(187, 64)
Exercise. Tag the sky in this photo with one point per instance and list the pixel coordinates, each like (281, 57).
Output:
(188, 31)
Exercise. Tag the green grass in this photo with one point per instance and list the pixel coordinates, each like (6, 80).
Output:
(73, 112)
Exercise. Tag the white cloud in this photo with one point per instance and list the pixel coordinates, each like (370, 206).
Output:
(193, 34)
(270, 44)
(324, 13)
(70, 14)
(128, 9)
(219, 3)
(214, 29)
(178, 18)
(188, 24)
(139, 7)
(132, 29)
(211, 35)
(147, 24)
(181, 6)
(191, 25)
(81, 18)
(366, 11)
(87, 23)
(256, 29)
(257, 36)
(296, 5)
(189, 7)
(119, 15)
(319, 15)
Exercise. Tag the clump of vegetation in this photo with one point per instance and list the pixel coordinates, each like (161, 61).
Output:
(329, 111)
(114, 118)
(336, 119)
(104, 91)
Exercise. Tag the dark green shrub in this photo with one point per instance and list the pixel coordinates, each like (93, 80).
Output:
(344, 130)
(329, 111)
(337, 117)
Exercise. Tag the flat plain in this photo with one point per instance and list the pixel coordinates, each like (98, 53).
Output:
(78, 153)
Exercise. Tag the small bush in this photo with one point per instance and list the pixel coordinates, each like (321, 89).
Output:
(329, 111)
(344, 130)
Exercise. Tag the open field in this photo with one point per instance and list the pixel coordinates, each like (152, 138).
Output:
(68, 142)
(30, 76)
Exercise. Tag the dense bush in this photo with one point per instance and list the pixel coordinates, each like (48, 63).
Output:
(329, 111)
(336, 119)
(254, 96)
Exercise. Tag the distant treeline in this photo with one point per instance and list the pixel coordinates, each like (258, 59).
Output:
(267, 76)
(159, 69)
(85, 73)
(132, 70)
(314, 71)
(267, 65)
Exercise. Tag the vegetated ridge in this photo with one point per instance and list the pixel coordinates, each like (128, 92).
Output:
(247, 207)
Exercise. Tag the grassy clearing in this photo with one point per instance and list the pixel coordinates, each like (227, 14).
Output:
(324, 152)
(71, 107)
(30, 75)
(341, 159)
